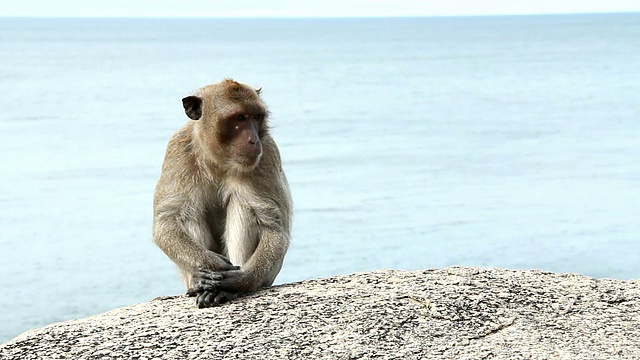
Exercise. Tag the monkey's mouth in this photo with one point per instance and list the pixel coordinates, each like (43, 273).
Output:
(249, 160)
(249, 155)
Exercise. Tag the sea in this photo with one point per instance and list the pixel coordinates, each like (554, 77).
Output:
(409, 143)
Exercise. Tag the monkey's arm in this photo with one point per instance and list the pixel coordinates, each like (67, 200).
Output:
(217, 287)
(181, 237)
(273, 219)
(260, 271)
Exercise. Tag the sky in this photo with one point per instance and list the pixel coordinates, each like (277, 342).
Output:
(309, 8)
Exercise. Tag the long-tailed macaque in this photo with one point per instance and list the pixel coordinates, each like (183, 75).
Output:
(222, 207)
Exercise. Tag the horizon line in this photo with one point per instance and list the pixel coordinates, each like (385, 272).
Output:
(265, 17)
(310, 17)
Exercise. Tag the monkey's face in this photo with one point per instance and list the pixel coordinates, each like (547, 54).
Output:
(242, 134)
(232, 123)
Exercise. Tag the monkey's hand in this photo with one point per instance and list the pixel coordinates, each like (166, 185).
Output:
(219, 262)
(236, 281)
(208, 286)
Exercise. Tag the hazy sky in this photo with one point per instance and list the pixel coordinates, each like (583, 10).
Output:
(313, 8)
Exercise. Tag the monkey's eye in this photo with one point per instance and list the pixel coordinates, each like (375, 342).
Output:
(240, 117)
(256, 117)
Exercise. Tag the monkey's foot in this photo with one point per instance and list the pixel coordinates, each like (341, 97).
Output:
(206, 299)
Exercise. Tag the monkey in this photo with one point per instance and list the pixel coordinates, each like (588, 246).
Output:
(222, 207)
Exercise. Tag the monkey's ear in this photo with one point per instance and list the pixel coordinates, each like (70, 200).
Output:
(192, 107)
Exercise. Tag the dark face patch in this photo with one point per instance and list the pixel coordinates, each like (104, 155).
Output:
(242, 133)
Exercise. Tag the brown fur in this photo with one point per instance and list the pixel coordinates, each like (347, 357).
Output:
(210, 208)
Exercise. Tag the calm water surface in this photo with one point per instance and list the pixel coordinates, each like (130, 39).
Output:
(409, 143)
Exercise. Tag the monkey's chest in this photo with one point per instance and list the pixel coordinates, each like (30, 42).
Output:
(234, 229)
(216, 217)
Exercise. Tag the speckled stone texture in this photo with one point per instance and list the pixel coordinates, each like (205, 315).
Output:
(452, 313)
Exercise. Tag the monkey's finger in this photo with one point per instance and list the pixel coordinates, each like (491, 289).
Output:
(208, 275)
(210, 300)
(200, 299)
(229, 281)
(220, 299)
(203, 287)
(206, 284)
(207, 281)
(225, 296)
(206, 299)
(191, 292)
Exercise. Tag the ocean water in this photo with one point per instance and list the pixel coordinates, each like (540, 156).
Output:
(507, 142)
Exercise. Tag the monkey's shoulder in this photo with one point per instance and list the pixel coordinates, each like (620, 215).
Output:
(182, 140)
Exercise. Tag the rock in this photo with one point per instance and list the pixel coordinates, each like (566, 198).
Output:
(452, 313)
